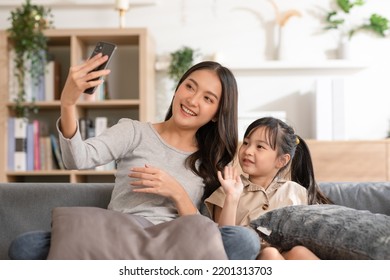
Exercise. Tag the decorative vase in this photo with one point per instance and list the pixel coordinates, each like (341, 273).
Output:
(280, 50)
(344, 48)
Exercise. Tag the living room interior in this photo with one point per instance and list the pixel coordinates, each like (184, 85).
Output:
(322, 94)
(333, 90)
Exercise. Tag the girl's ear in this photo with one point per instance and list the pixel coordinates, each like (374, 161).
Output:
(283, 160)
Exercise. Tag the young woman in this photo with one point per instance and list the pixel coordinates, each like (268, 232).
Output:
(166, 169)
(269, 152)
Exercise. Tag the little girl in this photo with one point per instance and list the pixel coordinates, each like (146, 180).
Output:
(270, 153)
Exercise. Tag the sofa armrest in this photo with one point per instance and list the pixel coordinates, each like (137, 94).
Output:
(27, 206)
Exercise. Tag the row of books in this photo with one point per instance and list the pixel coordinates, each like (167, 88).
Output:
(47, 88)
(31, 147)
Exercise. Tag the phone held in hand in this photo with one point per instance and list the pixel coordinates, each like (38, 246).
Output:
(107, 49)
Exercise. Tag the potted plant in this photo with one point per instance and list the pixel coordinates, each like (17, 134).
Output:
(344, 20)
(181, 60)
(30, 47)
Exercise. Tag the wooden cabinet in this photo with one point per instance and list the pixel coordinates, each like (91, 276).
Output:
(130, 84)
(353, 161)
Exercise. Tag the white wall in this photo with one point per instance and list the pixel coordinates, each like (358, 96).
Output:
(241, 32)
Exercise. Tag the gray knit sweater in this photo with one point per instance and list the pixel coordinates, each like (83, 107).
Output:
(133, 144)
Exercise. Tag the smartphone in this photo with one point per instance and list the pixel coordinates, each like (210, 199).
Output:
(107, 49)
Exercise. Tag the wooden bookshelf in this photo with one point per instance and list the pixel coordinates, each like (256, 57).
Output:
(131, 91)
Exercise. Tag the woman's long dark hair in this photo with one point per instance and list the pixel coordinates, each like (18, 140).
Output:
(283, 139)
(217, 141)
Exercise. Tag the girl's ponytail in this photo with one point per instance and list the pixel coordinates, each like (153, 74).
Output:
(302, 172)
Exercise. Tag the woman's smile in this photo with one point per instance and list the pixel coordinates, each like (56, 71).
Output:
(187, 111)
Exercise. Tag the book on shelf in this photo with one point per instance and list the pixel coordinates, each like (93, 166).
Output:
(44, 146)
(56, 152)
(42, 156)
(46, 153)
(30, 146)
(20, 133)
(45, 88)
(37, 154)
(87, 128)
(52, 81)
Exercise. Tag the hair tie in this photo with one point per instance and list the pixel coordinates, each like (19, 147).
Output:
(297, 140)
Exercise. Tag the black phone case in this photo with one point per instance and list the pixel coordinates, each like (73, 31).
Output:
(107, 49)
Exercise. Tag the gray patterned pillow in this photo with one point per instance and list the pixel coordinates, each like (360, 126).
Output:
(330, 231)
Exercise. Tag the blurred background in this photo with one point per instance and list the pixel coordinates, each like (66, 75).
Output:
(286, 62)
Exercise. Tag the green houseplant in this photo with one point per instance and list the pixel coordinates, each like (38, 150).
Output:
(340, 19)
(181, 60)
(30, 45)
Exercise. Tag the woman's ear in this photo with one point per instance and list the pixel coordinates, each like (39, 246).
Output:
(283, 160)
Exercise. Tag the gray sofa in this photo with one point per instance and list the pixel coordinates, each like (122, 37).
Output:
(27, 206)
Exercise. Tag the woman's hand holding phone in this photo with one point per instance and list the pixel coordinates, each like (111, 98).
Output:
(107, 49)
(83, 77)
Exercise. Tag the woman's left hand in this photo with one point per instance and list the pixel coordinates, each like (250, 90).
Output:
(156, 181)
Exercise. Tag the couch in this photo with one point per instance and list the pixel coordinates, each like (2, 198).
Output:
(28, 206)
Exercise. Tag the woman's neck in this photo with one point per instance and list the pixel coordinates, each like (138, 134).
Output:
(183, 140)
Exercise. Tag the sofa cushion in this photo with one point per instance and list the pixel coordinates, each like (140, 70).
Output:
(330, 231)
(80, 233)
